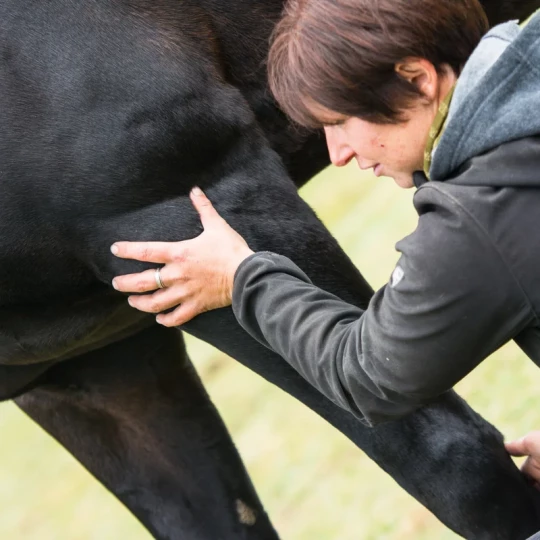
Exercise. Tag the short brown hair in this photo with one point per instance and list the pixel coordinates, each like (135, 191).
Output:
(342, 54)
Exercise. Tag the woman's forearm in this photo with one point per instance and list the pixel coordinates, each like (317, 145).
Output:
(316, 332)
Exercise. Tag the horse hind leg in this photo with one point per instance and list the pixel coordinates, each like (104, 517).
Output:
(136, 415)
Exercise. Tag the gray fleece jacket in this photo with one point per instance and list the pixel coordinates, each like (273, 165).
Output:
(468, 279)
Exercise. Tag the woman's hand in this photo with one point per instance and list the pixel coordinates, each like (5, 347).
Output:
(528, 446)
(198, 274)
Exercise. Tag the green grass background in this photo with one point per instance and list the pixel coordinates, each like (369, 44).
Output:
(315, 484)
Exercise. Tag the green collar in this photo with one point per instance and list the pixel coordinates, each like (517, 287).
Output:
(436, 129)
(526, 21)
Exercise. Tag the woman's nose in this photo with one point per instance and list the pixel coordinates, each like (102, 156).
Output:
(340, 152)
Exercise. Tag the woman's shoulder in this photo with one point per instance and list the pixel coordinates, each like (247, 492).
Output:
(492, 202)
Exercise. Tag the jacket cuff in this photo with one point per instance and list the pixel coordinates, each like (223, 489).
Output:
(261, 260)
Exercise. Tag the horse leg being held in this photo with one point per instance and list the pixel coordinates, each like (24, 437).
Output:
(136, 415)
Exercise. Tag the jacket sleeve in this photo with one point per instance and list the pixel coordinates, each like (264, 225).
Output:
(451, 301)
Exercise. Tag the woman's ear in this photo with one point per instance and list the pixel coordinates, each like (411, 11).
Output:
(422, 74)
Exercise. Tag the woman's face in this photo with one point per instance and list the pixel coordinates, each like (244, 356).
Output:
(393, 150)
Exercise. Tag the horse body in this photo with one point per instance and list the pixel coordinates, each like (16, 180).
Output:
(112, 111)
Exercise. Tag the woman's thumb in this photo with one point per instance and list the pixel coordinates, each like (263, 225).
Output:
(529, 445)
(516, 448)
(204, 207)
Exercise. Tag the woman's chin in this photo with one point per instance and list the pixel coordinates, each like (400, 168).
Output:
(403, 180)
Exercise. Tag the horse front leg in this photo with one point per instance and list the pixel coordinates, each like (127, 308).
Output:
(136, 415)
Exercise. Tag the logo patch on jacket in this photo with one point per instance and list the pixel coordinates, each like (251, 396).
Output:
(397, 276)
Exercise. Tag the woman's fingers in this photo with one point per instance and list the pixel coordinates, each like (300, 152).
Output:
(165, 299)
(181, 315)
(526, 446)
(204, 207)
(170, 275)
(142, 282)
(159, 301)
(156, 252)
(515, 448)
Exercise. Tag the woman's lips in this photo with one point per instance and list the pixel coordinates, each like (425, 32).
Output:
(377, 168)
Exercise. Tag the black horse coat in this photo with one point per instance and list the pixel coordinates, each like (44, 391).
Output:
(110, 111)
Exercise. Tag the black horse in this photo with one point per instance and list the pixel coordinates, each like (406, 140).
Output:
(111, 110)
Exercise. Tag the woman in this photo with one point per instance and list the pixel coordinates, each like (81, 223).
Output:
(413, 97)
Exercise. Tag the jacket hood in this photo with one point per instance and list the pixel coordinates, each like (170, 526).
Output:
(496, 100)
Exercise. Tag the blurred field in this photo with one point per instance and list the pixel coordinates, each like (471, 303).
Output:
(315, 484)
